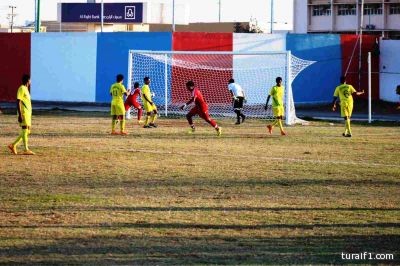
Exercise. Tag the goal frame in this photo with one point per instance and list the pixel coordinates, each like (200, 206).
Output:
(289, 102)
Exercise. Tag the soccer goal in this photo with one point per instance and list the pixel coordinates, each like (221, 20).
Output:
(254, 71)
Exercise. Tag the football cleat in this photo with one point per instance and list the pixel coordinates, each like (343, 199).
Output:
(269, 129)
(124, 133)
(28, 152)
(219, 132)
(153, 125)
(283, 133)
(348, 136)
(114, 133)
(13, 149)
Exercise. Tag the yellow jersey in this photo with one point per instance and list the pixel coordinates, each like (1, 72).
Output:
(24, 96)
(277, 96)
(344, 92)
(146, 91)
(117, 92)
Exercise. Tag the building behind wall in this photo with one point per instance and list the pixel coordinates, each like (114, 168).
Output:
(344, 16)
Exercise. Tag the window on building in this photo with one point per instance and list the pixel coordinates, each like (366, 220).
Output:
(394, 9)
(346, 10)
(321, 10)
(372, 9)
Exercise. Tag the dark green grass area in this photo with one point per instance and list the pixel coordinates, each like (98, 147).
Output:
(162, 196)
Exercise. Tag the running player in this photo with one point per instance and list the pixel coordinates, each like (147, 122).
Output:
(200, 108)
(344, 92)
(24, 109)
(276, 93)
(148, 104)
(132, 101)
(117, 91)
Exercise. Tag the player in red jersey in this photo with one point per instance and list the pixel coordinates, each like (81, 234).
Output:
(200, 108)
(132, 101)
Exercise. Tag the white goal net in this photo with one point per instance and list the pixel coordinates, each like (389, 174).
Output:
(255, 72)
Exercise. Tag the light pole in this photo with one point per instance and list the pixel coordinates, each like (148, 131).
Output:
(37, 20)
(12, 17)
(102, 15)
(219, 11)
(173, 15)
(272, 15)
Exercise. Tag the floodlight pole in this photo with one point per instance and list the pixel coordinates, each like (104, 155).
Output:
(12, 17)
(102, 15)
(272, 15)
(369, 88)
(173, 15)
(219, 11)
(361, 40)
(37, 20)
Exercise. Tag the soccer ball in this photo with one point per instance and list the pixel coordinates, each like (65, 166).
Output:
(153, 94)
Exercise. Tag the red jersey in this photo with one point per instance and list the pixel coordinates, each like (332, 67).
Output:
(199, 99)
(132, 98)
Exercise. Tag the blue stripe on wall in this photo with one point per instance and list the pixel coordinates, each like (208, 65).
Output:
(112, 58)
(63, 66)
(317, 82)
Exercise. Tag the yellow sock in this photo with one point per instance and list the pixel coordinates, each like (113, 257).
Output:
(25, 138)
(122, 125)
(19, 139)
(348, 128)
(153, 118)
(113, 124)
(280, 124)
(274, 123)
(146, 123)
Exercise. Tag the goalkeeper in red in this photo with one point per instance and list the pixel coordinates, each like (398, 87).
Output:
(344, 92)
(200, 108)
(277, 93)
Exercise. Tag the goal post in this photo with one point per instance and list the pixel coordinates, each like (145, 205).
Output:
(254, 71)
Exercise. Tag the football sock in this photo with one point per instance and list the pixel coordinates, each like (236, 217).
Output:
(275, 123)
(25, 138)
(280, 124)
(146, 123)
(19, 139)
(348, 125)
(113, 124)
(122, 125)
(153, 118)
(139, 114)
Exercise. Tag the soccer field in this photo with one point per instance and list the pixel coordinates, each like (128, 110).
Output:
(162, 196)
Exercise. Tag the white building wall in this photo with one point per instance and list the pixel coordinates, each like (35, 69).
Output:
(320, 23)
(390, 69)
(300, 16)
(393, 22)
(346, 23)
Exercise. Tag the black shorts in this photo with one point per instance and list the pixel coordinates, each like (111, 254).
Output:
(238, 103)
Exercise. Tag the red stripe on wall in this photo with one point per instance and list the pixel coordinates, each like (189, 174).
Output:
(348, 42)
(15, 54)
(212, 83)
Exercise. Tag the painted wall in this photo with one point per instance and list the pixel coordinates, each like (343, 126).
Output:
(64, 66)
(15, 54)
(212, 83)
(316, 83)
(350, 44)
(112, 57)
(390, 69)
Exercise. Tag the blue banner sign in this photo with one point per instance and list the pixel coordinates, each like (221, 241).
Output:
(113, 12)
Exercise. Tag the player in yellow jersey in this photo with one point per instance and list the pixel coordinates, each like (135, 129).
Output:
(277, 93)
(24, 109)
(117, 92)
(148, 104)
(344, 92)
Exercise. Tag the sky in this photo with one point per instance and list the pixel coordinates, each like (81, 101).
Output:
(200, 11)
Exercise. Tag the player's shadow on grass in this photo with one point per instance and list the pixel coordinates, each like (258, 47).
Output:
(123, 248)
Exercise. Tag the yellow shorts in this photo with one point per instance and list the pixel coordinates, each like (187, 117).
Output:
(278, 111)
(149, 107)
(26, 121)
(117, 108)
(346, 110)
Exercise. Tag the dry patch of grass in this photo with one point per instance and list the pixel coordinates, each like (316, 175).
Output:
(161, 196)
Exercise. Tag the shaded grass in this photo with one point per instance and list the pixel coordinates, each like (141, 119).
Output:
(161, 196)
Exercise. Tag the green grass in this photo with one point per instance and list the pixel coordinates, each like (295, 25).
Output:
(161, 196)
